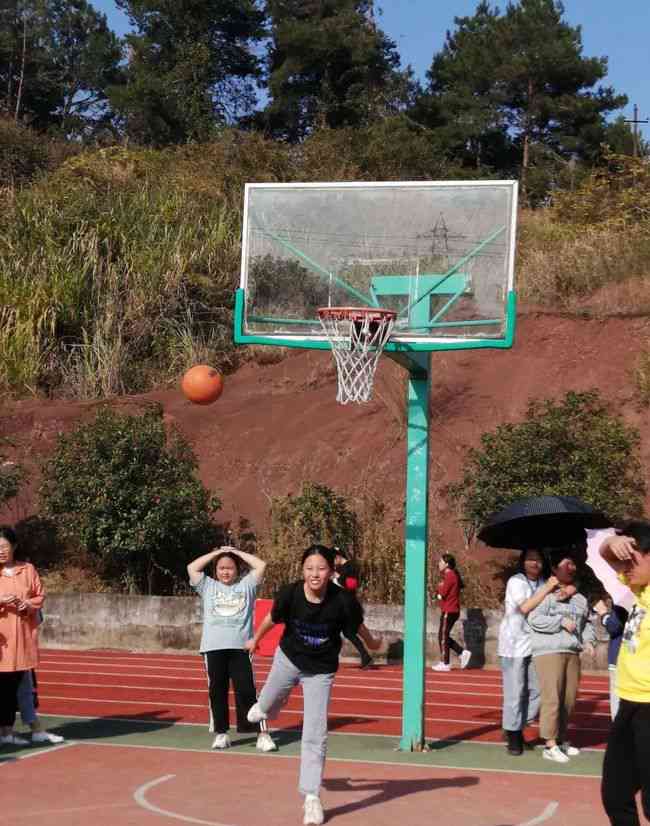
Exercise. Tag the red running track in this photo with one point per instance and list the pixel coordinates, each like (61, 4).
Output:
(460, 705)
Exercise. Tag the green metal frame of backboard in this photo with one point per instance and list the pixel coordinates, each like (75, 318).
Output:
(413, 352)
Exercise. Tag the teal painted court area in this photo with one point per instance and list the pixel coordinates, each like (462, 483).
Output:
(138, 751)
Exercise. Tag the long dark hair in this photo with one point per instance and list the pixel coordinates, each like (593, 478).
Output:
(451, 563)
(546, 567)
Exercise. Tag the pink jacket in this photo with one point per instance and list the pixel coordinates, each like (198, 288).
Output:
(18, 632)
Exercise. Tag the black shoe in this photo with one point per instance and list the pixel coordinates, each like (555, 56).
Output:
(366, 662)
(515, 743)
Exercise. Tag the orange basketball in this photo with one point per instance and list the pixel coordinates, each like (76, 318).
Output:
(202, 384)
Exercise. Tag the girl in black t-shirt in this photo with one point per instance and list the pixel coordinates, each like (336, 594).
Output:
(315, 613)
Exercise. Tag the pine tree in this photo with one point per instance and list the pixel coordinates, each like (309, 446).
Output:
(329, 63)
(191, 67)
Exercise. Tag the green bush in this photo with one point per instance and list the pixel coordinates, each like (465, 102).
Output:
(11, 477)
(124, 490)
(574, 447)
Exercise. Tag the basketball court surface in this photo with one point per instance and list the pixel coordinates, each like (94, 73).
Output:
(137, 751)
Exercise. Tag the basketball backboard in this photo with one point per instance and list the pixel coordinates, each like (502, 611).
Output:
(440, 254)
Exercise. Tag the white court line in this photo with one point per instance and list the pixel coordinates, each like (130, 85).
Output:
(548, 813)
(139, 795)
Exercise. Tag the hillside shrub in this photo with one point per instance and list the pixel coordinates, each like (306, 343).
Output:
(12, 476)
(573, 447)
(123, 488)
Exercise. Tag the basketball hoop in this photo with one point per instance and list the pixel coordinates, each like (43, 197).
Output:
(358, 336)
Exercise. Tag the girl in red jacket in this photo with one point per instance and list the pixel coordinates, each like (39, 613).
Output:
(448, 595)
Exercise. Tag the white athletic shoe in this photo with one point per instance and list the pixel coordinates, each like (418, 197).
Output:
(265, 742)
(13, 740)
(313, 811)
(255, 714)
(221, 741)
(465, 657)
(555, 753)
(46, 737)
(441, 667)
(569, 750)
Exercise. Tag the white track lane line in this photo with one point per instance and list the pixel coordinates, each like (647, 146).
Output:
(547, 814)
(139, 795)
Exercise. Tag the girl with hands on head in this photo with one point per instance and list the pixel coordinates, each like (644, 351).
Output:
(228, 601)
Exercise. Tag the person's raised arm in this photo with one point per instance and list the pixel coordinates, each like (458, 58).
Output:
(195, 568)
(257, 565)
(618, 552)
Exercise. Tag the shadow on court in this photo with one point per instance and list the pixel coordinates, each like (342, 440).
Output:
(387, 790)
(95, 728)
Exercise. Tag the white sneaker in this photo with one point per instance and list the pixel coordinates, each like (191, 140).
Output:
(265, 742)
(569, 750)
(255, 714)
(441, 667)
(221, 741)
(313, 811)
(465, 657)
(555, 753)
(46, 737)
(13, 740)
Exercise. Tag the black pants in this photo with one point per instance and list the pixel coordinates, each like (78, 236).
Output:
(626, 769)
(9, 681)
(447, 622)
(223, 666)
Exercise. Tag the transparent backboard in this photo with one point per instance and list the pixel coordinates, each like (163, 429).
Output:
(440, 254)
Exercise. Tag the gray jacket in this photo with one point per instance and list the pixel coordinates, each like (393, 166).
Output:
(547, 634)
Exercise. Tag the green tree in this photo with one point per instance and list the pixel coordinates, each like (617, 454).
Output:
(506, 83)
(125, 490)
(11, 478)
(56, 59)
(329, 63)
(192, 66)
(574, 447)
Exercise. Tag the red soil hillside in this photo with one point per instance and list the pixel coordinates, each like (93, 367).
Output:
(276, 426)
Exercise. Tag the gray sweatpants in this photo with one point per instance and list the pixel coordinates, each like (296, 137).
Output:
(521, 697)
(316, 689)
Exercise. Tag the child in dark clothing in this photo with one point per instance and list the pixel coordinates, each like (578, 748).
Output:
(346, 576)
(613, 618)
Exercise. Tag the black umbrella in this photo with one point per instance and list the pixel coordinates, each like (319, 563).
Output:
(541, 522)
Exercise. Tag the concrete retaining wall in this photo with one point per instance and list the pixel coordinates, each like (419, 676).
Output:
(138, 623)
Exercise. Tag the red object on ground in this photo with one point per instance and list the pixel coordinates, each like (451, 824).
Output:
(270, 642)
(202, 384)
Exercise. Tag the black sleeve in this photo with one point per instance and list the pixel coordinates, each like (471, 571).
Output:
(281, 608)
(353, 614)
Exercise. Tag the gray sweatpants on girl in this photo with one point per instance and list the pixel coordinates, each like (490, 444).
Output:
(521, 697)
(316, 689)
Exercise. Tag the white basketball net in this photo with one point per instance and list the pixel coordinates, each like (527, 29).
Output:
(357, 336)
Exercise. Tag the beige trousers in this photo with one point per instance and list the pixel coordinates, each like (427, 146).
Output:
(558, 676)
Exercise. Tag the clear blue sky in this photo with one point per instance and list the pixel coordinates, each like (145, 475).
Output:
(619, 31)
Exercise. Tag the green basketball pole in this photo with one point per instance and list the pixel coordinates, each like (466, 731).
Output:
(416, 545)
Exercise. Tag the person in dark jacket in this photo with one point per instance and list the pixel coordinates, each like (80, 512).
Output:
(613, 618)
(346, 576)
(448, 595)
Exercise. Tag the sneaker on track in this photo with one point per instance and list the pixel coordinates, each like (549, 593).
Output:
(46, 737)
(465, 657)
(313, 811)
(13, 740)
(441, 667)
(265, 742)
(221, 741)
(555, 753)
(255, 714)
(569, 750)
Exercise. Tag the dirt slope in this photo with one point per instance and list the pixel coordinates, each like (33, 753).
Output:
(276, 426)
